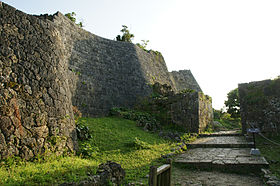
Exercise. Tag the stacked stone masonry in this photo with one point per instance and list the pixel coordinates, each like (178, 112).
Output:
(260, 105)
(192, 111)
(184, 79)
(35, 100)
(48, 64)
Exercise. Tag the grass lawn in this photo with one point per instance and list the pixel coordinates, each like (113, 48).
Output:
(112, 139)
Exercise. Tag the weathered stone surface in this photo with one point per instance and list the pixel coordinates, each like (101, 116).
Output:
(221, 141)
(221, 156)
(212, 153)
(48, 63)
(184, 79)
(29, 68)
(191, 110)
(260, 105)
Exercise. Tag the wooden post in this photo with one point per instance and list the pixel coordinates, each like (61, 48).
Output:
(170, 170)
(153, 176)
(161, 176)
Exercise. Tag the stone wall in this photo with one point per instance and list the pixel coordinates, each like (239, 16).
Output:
(205, 111)
(35, 101)
(184, 79)
(48, 64)
(192, 110)
(260, 105)
(104, 73)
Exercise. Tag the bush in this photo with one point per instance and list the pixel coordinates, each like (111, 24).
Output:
(87, 150)
(142, 119)
(83, 132)
(127, 36)
(138, 144)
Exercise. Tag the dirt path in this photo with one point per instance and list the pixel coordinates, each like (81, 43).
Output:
(195, 178)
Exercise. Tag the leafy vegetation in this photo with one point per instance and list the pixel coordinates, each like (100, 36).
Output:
(114, 139)
(143, 119)
(72, 17)
(143, 45)
(233, 103)
(126, 35)
(224, 121)
(270, 152)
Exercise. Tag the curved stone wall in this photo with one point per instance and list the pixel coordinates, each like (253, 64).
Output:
(35, 101)
(48, 64)
(104, 73)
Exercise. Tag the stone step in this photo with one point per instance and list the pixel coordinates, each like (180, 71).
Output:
(221, 142)
(219, 134)
(247, 145)
(223, 133)
(225, 159)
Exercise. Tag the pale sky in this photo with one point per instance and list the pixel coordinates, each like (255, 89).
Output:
(223, 42)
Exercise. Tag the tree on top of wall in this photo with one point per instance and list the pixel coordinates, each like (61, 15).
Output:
(72, 17)
(127, 36)
(233, 103)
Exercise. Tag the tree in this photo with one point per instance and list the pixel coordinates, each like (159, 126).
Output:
(72, 17)
(127, 36)
(233, 103)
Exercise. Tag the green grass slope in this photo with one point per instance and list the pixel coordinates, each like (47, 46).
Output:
(113, 139)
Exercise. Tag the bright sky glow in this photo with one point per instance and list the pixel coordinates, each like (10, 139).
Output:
(223, 42)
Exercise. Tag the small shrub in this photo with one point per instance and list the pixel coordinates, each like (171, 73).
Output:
(226, 116)
(138, 144)
(143, 119)
(72, 17)
(83, 132)
(188, 137)
(87, 150)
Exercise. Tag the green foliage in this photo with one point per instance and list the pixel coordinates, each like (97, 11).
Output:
(186, 91)
(270, 152)
(88, 150)
(110, 139)
(114, 136)
(143, 45)
(143, 119)
(217, 114)
(233, 103)
(138, 144)
(189, 137)
(72, 17)
(126, 35)
(157, 53)
(224, 121)
(49, 171)
(83, 132)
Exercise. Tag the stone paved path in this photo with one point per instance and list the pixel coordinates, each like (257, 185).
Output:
(221, 141)
(183, 177)
(224, 153)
